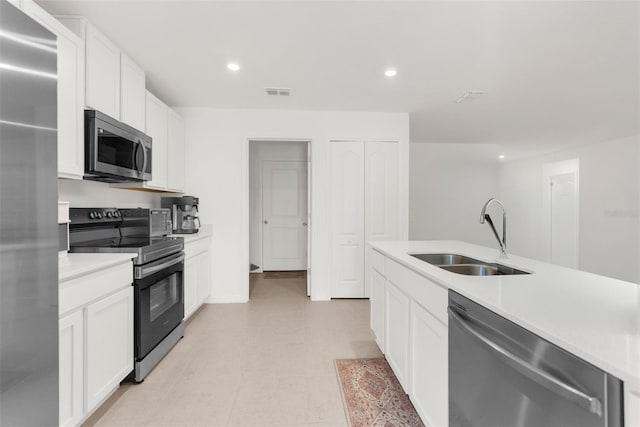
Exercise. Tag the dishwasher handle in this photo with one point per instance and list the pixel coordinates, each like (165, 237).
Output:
(530, 371)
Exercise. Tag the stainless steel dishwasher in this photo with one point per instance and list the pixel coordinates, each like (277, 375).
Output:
(501, 374)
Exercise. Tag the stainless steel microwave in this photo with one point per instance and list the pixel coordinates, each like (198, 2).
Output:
(114, 151)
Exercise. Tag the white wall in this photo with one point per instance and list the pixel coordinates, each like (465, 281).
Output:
(217, 172)
(609, 206)
(87, 194)
(260, 151)
(449, 184)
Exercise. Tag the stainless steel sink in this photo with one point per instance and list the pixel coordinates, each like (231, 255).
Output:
(461, 264)
(446, 259)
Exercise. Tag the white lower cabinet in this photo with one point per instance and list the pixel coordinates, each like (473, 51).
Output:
(109, 344)
(377, 306)
(71, 368)
(408, 318)
(397, 332)
(190, 281)
(197, 275)
(429, 367)
(95, 338)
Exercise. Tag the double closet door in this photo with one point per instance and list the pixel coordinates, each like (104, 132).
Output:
(364, 208)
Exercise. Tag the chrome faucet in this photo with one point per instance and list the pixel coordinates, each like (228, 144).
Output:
(486, 217)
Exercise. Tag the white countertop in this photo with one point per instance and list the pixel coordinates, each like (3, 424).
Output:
(77, 264)
(594, 317)
(205, 231)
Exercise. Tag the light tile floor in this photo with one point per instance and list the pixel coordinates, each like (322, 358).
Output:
(265, 363)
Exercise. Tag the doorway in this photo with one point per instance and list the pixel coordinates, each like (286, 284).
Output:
(561, 208)
(279, 207)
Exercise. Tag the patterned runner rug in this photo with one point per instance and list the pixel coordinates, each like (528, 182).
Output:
(372, 394)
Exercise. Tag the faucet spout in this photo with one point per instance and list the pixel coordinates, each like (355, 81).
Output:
(485, 217)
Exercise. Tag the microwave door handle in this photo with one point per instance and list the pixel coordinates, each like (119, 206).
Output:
(146, 155)
(136, 157)
(530, 371)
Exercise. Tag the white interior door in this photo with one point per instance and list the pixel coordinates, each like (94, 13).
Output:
(347, 225)
(561, 212)
(284, 215)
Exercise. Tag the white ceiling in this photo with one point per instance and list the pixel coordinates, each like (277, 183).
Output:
(554, 73)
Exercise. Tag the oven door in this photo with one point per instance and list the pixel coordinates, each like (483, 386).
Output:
(159, 301)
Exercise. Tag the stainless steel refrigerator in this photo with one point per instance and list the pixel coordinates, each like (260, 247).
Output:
(28, 222)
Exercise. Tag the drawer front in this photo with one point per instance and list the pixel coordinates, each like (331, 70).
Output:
(430, 295)
(377, 261)
(194, 248)
(82, 290)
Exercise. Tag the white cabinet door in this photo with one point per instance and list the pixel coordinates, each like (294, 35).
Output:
(176, 147)
(347, 219)
(102, 73)
(109, 345)
(203, 285)
(156, 128)
(71, 368)
(190, 287)
(132, 93)
(397, 332)
(70, 93)
(377, 307)
(16, 3)
(429, 367)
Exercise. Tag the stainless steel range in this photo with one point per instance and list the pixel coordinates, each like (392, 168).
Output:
(158, 276)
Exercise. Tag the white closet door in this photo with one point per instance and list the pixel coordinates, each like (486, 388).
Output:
(381, 195)
(347, 219)
(381, 190)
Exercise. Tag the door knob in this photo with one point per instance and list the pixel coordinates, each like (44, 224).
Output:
(266, 222)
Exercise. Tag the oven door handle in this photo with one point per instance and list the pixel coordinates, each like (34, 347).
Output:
(530, 371)
(146, 270)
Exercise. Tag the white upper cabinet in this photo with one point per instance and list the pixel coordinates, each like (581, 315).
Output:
(176, 159)
(132, 93)
(102, 73)
(70, 92)
(156, 128)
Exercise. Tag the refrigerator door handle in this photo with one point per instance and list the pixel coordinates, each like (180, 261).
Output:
(539, 376)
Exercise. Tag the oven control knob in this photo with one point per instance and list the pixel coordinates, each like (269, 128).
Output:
(116, 214)
(110, 215)
(99, 214)
(93, 215)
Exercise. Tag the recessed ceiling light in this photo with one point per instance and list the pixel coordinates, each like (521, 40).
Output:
(233, 66)
(501, 156)
(390, 72)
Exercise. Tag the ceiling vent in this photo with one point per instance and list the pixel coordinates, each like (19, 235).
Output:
(278, 91)
(470, 95)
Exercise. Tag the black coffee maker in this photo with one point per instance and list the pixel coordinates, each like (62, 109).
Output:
(184, 213)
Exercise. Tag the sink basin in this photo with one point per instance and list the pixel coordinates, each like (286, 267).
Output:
(461, 264)
(446, 259)
(482, 269)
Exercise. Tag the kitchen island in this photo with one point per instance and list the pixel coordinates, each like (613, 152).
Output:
(594, 317)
